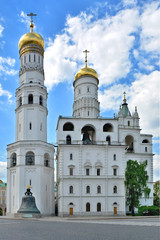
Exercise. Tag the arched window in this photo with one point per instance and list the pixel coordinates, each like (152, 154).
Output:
(130, 143)
(68, 127)
(71, 156)
(68, 139)
(114, 157)
(108, 128)
(71, 189)
(88, 207)
(20, 101)
(30, 126)
(128, 123)
(46, 160)
(88, 134)
(34, 57)
(115, 171)
(13, 160)
(99, 189)
(98, 207)
(145, 149)
(30, 99)
(108, 139)
(115, 189)
(88, 189)
(30, 159)
(145, 141)
(41, 100)
(29, 58)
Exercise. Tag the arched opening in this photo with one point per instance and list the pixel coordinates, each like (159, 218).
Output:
(107, 128)
(115, 189)
(30, 99)
(71, 189)
(30, 159)
(68, 127)
(130, 143)
(145, 141)
(88, 189)
(41, 100)
(98, 207)
(13, 159)
(46, 160)
(108, 139)
(1, 212)
(99, 189)
(20, 101)
(88, 134)
(88, 207)
(68, 139)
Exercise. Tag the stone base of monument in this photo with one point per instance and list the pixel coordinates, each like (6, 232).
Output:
(27, 215)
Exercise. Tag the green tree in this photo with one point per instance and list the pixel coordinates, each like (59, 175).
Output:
(156, 194)
(136, 183)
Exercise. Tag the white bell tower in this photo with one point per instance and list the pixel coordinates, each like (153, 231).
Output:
(30, 160)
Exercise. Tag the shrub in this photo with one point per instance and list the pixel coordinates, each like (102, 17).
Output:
(149, 210)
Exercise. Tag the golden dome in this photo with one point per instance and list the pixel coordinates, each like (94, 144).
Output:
(31, 38)
(86, 71)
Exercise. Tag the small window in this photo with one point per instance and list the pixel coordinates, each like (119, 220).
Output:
(20, 101)
(98, 171)
(114, 157)
(34, 57)
(41, 100)
(88, 113)
(98, 207)
(87, 89)
(87, 171)
(99, 189)
(114, 171)
(88, 189)
(71, 171)
(128, 123)
(68, 139)
(46, 160)
(29, 58)
(87, 207)
(30, 99)
(30, 126)
(30, 182)
(145, 149)
(71, 189)
(108, 139)
(38, 59)
(115, 189)
(71, 156)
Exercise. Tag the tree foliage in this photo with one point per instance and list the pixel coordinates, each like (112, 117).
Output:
(136, 183)
(156, 194)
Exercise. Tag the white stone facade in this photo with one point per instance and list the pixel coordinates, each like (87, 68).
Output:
(92, 156)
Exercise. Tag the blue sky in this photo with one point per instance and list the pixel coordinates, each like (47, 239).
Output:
(123, 38)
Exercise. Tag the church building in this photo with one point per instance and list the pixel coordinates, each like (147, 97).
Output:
(30, 159)
(93, 152)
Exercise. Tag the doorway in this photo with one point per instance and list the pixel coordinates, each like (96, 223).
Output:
(71, 211)
(115, 210)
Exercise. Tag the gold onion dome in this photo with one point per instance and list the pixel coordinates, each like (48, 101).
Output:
(86, 71)
(31, 38)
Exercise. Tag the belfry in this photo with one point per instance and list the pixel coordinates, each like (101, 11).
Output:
(30, 159)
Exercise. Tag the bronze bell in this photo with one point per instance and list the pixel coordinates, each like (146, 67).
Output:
(28, 205)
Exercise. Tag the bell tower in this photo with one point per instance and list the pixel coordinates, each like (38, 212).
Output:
(30, 160)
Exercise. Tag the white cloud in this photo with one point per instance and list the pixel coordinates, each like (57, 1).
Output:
(109, 41)
(156, 168)
(1, 30)
(150, 34)
(5, 93)
(3, 171)
(129, 2)
(7, 65)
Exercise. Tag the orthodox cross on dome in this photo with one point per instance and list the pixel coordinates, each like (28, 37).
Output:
(31, 15)
(86, 51)
(124, 96)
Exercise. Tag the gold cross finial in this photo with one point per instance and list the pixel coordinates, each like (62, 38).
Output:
(86, 51)
(124, 96)
(31, 15)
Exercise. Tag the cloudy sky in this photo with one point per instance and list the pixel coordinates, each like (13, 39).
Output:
(123, 38)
